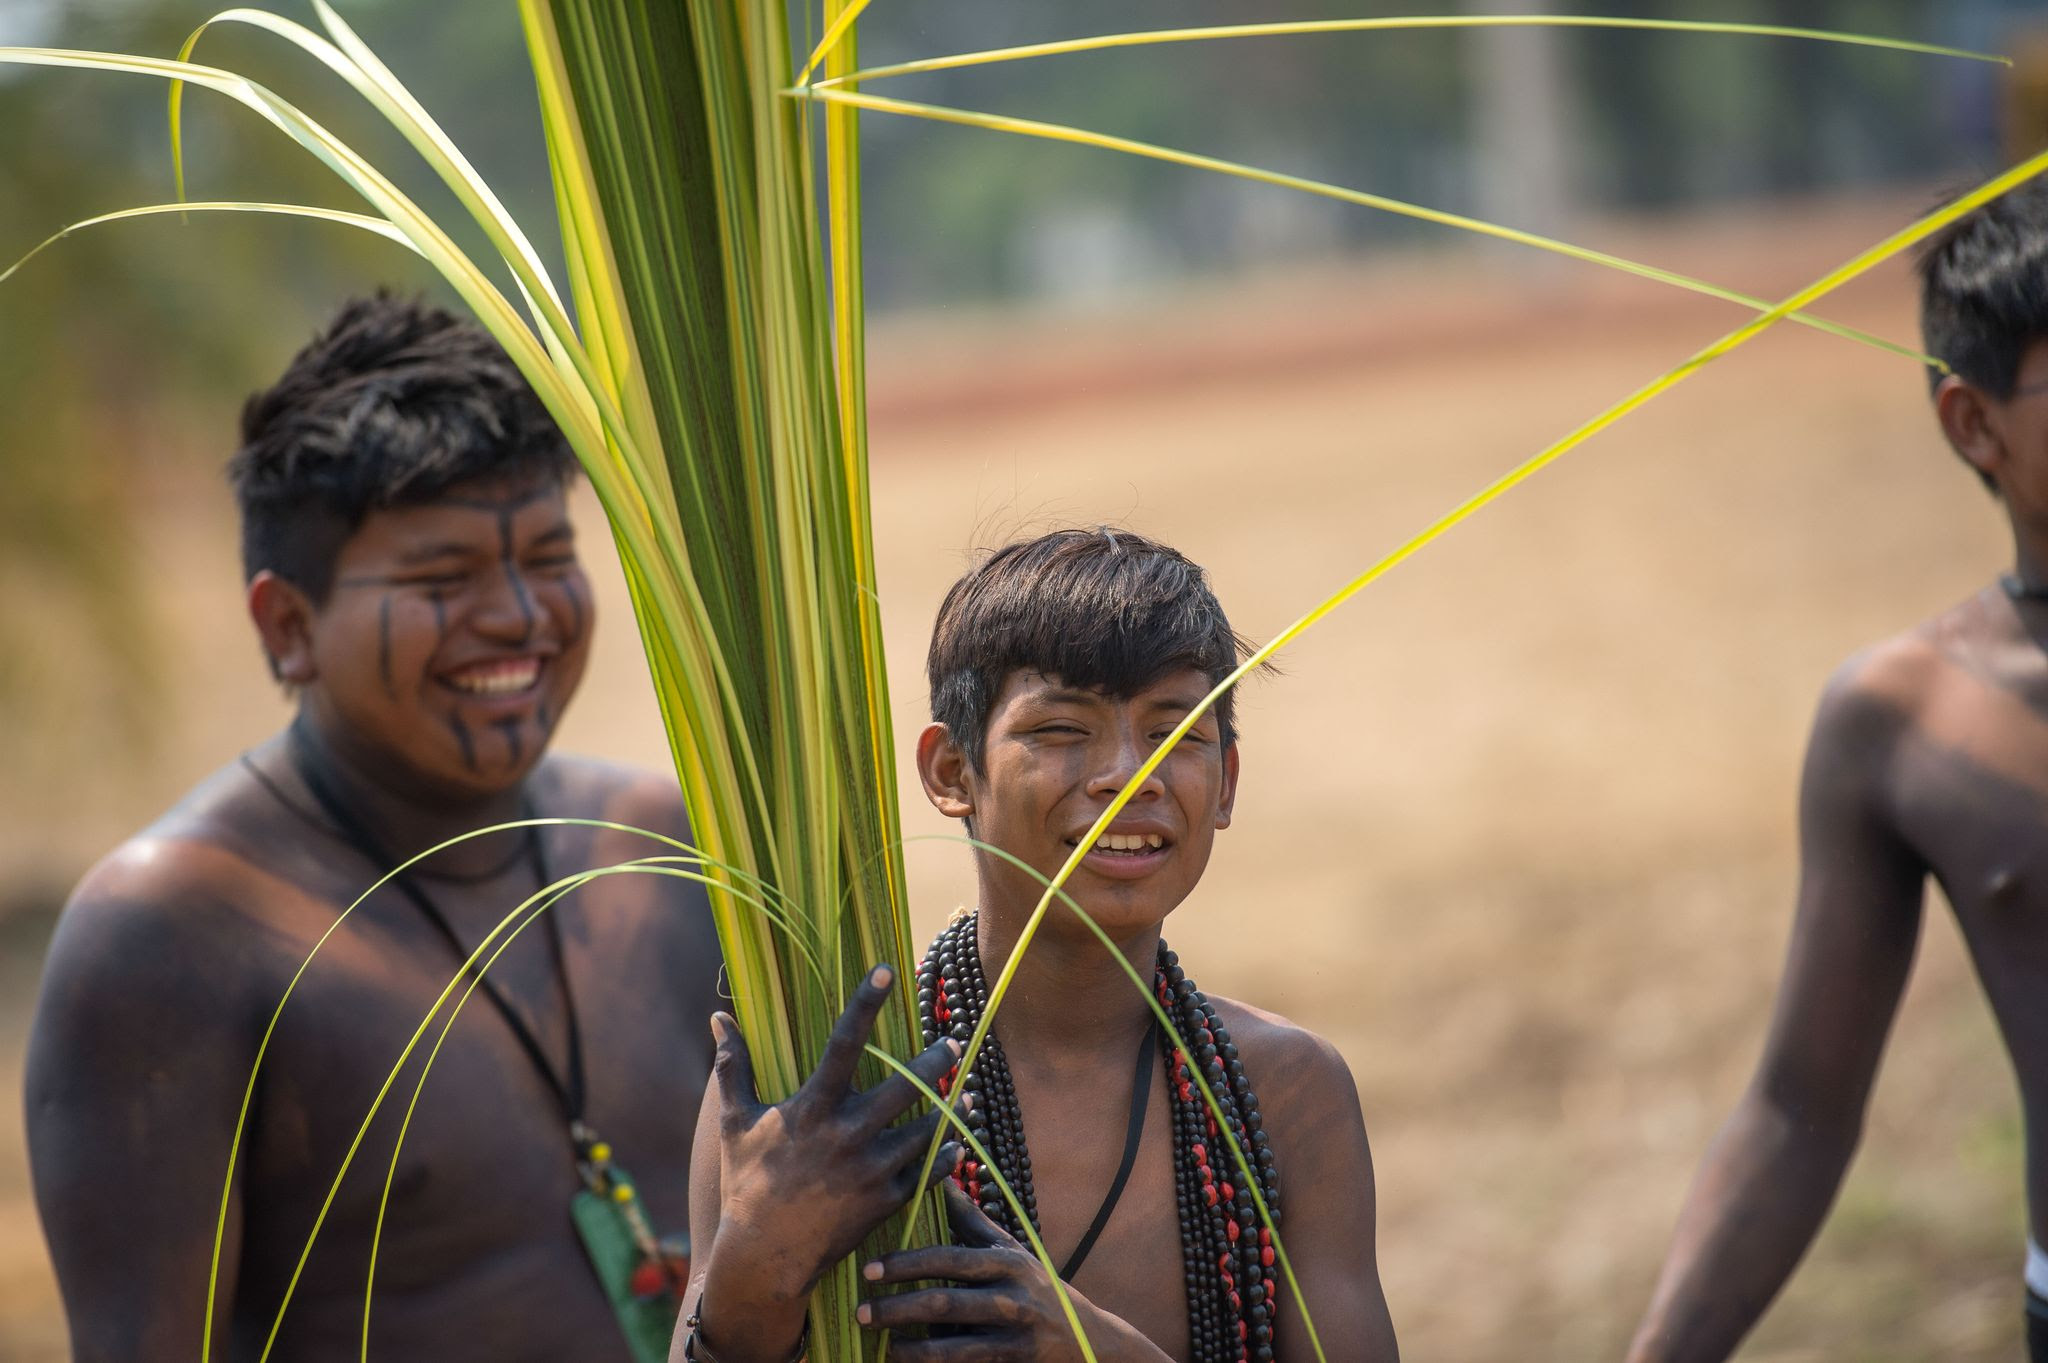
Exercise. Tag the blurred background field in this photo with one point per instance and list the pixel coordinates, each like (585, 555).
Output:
(1516, 827)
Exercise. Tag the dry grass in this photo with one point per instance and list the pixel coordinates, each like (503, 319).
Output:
(1516, 827)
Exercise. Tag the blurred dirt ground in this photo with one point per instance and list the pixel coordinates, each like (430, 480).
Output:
(1516, 825)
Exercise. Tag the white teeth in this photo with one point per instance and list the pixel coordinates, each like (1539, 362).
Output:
(1128, 842)
(500, 680)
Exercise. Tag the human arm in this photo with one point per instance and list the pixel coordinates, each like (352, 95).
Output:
(1328, 1224)
(781, 1193)
(1772, 1172)
(138, 1060)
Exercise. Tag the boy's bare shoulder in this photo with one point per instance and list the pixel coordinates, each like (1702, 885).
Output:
(1281, 1053)
(592, 787)
(1882, 690)
(185, 905)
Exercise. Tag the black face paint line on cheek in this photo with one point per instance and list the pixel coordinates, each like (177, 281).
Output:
(463, 740)
(513, 742)
(543, 716)
(384, 648)
(527, 617)
(574, 594)
(440, 617)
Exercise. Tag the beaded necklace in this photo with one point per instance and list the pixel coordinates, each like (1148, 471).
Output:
(1226, 1255)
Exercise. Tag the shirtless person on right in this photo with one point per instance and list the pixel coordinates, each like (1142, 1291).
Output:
(1929, 757)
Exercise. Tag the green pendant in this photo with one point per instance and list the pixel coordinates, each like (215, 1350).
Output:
(643, 1277)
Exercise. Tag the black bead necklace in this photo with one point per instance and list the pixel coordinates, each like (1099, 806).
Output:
(1226, 1255)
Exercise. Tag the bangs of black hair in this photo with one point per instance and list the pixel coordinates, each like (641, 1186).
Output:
(1984, 289)
(393, 404)
(1104, 609)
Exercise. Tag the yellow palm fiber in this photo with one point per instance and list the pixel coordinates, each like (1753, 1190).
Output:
(1153, 37)
(1060, 132)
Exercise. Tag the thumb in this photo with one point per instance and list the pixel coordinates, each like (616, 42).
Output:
(970, 1225)
(733, 1067)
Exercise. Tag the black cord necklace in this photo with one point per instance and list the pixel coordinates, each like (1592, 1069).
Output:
(643, 1274)
(1226, 1254)
(2019, 589)
(316, 770)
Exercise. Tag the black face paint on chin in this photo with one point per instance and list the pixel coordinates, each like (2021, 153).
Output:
(543, 716)
(463, 739)
(516, 745)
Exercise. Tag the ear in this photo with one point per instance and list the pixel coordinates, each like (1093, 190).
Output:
(1967, 419)
(943, 767)
(1229, 800)
(284, 622)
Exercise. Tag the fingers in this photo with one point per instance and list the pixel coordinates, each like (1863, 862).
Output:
(971, 1225)
(734, 1068)
(834, 1075)
(946, 1263)
(891, 1098)
(937, 1306)
(902, 1149)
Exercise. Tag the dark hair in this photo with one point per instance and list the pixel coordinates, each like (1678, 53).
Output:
(392, 405)
(1984, 290)
(1096, 608)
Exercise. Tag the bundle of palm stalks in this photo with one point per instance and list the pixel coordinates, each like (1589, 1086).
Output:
(712, 387)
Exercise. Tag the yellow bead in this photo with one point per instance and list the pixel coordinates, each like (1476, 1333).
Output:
(601, 1153)
(621, 1193)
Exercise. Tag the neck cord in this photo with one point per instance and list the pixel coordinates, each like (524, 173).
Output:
(315, 768)
(2019, 589)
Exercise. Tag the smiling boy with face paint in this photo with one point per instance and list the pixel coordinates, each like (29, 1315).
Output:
(413, 579)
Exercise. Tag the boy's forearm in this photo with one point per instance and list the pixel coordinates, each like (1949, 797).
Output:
(745, 1318)
(1760, 1197)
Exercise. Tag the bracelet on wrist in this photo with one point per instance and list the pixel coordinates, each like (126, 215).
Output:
(693, 1343)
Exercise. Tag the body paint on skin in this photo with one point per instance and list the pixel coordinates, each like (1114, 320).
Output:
(463, 738)
(517, 580)
(575, 599)
(510, 729)
(384, 647)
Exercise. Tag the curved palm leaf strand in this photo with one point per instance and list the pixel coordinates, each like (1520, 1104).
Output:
(1060, 132)
(291, 985)
(468, 966)
(1144, 987)
(658, 866)
(1859, 265)
(364, 221)
(1152, 37)
(375, 83)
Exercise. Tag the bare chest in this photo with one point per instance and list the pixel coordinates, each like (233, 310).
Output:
(397, 1103)
(1135, 1268)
